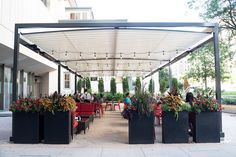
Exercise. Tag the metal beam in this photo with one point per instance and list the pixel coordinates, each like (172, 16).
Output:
(217, 71)
(99, 29)
(113, 24)
(182, 55)
(15, 64)
(75, 83)
(114, 70)
(59, 79)
(170, 77)
(93, 59)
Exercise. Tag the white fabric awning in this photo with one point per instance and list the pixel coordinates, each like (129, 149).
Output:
(116, 51)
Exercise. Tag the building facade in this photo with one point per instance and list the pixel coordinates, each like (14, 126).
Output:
(37, 76)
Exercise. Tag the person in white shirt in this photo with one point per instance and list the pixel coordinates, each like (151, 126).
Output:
(86, 97)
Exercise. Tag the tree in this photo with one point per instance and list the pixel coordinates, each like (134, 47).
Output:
(175, 84)
(138, 85)
(163, 79)
(202, 63)
(224, 10)
(87, 83)
(151, 86)
(80, 85)
(162, 86)
(125, 85)
(113, 86)
(100, 85)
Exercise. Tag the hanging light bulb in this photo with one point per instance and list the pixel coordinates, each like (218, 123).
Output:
(163, 52)
(66, 53)
(139, 64)
(177, 51)
(52, 52)
(134, 55)
(87, 64)
(80, 55)
(98, 64)
(120, 55)
(117, 64)
(107, 64)
(94, 54)
(149, 54)
(128, 64)
(106, 55)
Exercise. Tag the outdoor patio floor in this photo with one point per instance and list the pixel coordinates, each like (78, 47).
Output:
(108, 136)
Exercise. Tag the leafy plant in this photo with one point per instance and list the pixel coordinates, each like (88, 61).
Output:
(26, 105)
(205, 104)
(141, 105)
(118, 97)
(58, 103)
(174, 104)
(163, 86)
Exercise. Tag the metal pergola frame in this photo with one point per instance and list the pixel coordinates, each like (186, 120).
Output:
(116, 25)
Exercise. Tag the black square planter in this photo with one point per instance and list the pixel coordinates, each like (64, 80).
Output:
(175, 130)
(141, 129)
(57, 127)
(206, 127)
(26, 127)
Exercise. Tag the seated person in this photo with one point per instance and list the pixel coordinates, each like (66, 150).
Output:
(127, 100)
(86, 97)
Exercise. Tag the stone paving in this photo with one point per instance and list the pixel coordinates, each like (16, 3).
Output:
(108, 136)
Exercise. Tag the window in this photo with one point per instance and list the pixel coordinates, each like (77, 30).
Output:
(84, 16)
(67, 80)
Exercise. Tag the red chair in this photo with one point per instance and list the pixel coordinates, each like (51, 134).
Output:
(74, 123)
(117, 104)
(158, 113)
(85, 110)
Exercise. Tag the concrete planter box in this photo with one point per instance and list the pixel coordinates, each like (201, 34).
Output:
(26, 127)
(175, 130)
(206, 127)
(57, 128)
(141, 129)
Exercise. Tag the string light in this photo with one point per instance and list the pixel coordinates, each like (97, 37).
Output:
(66, 53)
(163, 52)
(134, 55)
(95, 56)
(80, 55)
(106, 55)
(177, 51)
(52, 52)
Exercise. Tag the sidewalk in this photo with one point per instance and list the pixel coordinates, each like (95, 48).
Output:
(108, 137)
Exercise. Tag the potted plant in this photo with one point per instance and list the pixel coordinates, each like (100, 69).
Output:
(141, 119)
(174, 120)
(26, 120)
(206, 124)
(57, 119)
